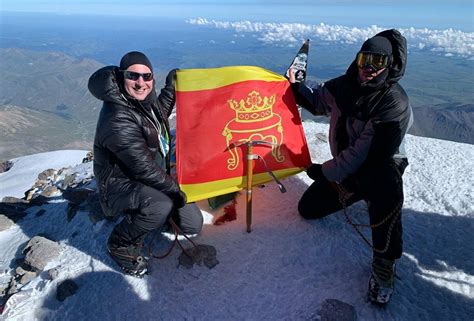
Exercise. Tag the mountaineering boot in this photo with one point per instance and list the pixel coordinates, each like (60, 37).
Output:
(128, 257)
(382, 281)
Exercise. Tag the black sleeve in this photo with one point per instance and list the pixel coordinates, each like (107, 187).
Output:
(318, 101)
(167, 96)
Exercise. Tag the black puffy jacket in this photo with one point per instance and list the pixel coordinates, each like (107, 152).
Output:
(127, 143)
(368, 122)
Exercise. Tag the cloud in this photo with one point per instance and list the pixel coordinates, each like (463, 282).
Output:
(448, 41)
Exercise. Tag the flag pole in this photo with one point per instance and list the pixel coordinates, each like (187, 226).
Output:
(250, 158)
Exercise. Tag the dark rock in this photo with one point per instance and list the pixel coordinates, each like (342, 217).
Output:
(5, 166)
(5, 223)
(335, 310)
(89, 158)
(68, 180)
(39, 252)
(20, 270)
(199, 254)
(50, 191)
(40, 183)
(54, 273)
(44, 175)
(27, 277)
(4, 286)
(12, 287)
(66, 289)
(15, 200)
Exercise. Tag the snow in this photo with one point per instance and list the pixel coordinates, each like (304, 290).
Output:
(26, 169)
(283, 270)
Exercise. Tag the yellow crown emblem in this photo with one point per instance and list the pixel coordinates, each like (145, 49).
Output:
(254, 108)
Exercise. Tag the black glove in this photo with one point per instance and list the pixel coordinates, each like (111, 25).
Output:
(171, 78)
(315, 172)
(179, 199)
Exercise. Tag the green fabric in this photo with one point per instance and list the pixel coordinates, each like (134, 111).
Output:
(220, 200)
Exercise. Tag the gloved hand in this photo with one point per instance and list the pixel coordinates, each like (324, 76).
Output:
(179, 199)
(315, 172)
(171, 78)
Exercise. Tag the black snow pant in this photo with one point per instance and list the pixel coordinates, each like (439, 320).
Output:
(381, 186)
(151, 211)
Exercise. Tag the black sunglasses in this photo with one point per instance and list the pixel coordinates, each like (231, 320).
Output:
(148, 76)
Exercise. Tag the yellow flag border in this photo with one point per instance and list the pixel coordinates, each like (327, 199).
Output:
(212, 78)
(200, 191)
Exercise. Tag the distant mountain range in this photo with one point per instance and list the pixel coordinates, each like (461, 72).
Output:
(45, 105)
(47, 81)
(445, 121)
(44, 102)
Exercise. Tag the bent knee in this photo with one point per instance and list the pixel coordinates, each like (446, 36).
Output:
(190, 219)
(194, 226)
(310, 211)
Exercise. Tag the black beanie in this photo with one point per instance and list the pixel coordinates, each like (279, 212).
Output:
(377, 44)
(133, 58)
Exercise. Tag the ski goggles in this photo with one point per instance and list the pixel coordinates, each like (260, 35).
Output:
(370, 59)
(131, 75)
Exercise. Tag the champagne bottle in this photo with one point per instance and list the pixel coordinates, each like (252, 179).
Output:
(300, 63)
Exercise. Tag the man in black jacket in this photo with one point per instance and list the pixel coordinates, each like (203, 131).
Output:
(370, 115)
(132, 158)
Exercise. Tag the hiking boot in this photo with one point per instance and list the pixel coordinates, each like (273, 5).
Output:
(382, 281)
(127, 254)
(129, 259)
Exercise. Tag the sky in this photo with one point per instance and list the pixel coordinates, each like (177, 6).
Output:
(456, 14)
(283, 270)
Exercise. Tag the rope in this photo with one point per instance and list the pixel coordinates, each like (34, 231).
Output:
(343, 196)
(176, 231)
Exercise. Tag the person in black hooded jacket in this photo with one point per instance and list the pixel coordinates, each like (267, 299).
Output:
(131, 158)
(369, 116)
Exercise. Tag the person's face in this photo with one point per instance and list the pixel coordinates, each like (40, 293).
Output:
(371, 65)
(368, 73)
(138, 88)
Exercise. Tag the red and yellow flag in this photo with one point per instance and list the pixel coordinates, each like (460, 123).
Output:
(220, 108)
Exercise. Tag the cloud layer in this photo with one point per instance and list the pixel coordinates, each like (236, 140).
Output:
(448, 41)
